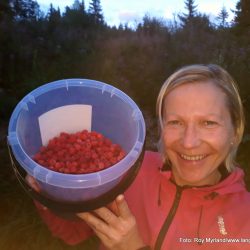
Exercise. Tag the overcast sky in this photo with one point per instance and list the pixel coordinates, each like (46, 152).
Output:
(131, 11)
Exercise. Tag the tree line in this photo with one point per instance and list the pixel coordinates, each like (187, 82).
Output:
(38, 47)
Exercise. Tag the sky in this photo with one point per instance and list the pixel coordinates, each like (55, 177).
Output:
(132, 11)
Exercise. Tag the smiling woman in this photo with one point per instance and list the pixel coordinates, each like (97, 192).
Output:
(192, 193)
(219, 99)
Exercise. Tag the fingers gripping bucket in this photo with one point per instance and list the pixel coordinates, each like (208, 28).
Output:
(72, 105)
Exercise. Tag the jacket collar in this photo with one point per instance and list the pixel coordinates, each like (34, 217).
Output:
(232, 183)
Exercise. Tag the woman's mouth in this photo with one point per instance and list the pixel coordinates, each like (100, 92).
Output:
(192, 157)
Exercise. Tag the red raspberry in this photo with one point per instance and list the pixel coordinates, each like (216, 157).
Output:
(79, 153)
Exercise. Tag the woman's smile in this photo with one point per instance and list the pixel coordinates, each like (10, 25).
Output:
(191, 162)
(192, 157)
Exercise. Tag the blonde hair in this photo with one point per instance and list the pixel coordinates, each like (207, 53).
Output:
(221, 79)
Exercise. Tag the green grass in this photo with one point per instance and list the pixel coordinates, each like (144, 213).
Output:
(22, 228)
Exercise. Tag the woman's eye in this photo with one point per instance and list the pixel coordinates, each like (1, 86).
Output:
(210, 123)
(174, 122)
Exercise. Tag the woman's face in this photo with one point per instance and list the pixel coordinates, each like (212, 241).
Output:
(198, 132)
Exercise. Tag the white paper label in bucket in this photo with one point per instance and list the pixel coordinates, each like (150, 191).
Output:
(69, 119)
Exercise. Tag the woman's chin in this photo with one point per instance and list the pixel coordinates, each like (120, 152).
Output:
(196, 178)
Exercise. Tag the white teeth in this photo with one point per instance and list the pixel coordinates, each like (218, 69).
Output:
(192, 157)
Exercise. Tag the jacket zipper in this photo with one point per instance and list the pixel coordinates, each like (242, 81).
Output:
(199, 225)
(169, 218)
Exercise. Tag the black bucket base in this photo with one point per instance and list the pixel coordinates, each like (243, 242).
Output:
(68, 210)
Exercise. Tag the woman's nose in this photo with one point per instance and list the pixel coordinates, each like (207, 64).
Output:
(190, 137)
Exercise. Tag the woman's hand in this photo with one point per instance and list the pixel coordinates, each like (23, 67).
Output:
(33, 183)
(115, 225)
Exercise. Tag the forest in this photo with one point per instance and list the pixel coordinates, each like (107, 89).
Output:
(38, 47)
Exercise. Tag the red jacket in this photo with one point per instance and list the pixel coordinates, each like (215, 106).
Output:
(195, 218)
(214, 217)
